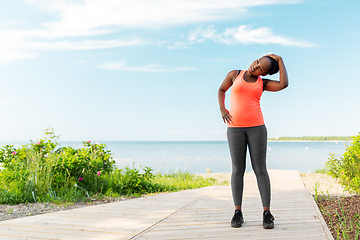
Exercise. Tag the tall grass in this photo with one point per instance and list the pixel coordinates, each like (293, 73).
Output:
(181, 180)
(342, 224)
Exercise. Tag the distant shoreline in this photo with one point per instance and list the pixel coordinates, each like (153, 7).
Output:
(313, 139)
(309, 140)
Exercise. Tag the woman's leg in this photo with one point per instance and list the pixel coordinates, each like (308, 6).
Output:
(237, 145)
(257, 140)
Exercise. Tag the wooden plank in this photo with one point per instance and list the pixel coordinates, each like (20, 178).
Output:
(191, 214)
(80, 233)
(210, 216)
(11, 237)
(38, 225)
(240, 234)
(225, 227)
(299, 236)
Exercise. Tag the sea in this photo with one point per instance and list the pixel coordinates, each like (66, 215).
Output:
(197, 156)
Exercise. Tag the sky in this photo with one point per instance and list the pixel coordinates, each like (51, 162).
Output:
(113, 70)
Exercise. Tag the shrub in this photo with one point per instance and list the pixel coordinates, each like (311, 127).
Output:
(347, 167)
(45, 171)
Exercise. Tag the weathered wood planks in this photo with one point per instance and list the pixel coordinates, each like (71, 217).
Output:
(193, 214)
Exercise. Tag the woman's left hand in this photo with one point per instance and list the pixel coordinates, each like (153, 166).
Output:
(283, 82)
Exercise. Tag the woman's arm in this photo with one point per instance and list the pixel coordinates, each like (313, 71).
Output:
(283, 82)
(225, 85)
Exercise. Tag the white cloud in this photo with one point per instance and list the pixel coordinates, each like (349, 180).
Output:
(245, 35)
(179, 45)
(9, 56)
(199, 35)
(12, 23)
(82, 45)
(121, 66)
(24, 45)
(93, 14)
(89, 18)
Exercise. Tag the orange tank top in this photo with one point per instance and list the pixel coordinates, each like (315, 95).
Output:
(245, 102)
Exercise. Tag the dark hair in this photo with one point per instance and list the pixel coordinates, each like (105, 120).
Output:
(274, 66)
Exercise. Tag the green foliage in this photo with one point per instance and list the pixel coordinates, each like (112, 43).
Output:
(182, 180)
(127, 181)
(312, 138)
(44, 171)
(82, 163)
(347, 167)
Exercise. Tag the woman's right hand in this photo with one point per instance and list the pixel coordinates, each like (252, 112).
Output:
(227, 118)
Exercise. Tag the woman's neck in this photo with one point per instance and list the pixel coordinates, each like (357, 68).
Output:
(250, 78)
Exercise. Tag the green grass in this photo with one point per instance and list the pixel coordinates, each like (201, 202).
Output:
(339, 221)
(322, 170)
(182, 180)
(342, 224)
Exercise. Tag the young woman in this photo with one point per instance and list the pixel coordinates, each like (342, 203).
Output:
(246, 128)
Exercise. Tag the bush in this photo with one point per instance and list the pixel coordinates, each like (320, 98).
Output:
(45, 171)
(347, 167)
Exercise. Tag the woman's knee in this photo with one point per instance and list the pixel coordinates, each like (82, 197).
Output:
(260, 172)
(238, 171)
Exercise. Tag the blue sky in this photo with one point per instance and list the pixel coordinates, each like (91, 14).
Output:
(150, 70)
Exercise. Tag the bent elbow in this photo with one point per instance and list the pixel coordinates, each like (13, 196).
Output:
(221, 90)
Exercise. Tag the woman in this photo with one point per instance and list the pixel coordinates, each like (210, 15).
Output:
(246, 128)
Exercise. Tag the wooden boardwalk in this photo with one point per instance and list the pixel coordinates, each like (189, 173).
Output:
(193, 214)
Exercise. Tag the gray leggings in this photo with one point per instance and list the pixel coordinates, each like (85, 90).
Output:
(256, 139)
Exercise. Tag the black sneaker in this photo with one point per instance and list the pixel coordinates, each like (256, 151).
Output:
(237, 220)
(268, 220)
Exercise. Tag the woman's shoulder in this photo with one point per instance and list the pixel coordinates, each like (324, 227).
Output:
(234, 74)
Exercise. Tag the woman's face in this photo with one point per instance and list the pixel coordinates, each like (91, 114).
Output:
(260, 67)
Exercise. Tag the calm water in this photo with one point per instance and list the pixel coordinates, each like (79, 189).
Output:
(196, 157)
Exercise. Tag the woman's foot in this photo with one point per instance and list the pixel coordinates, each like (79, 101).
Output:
(268, 220)
(237, 220)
